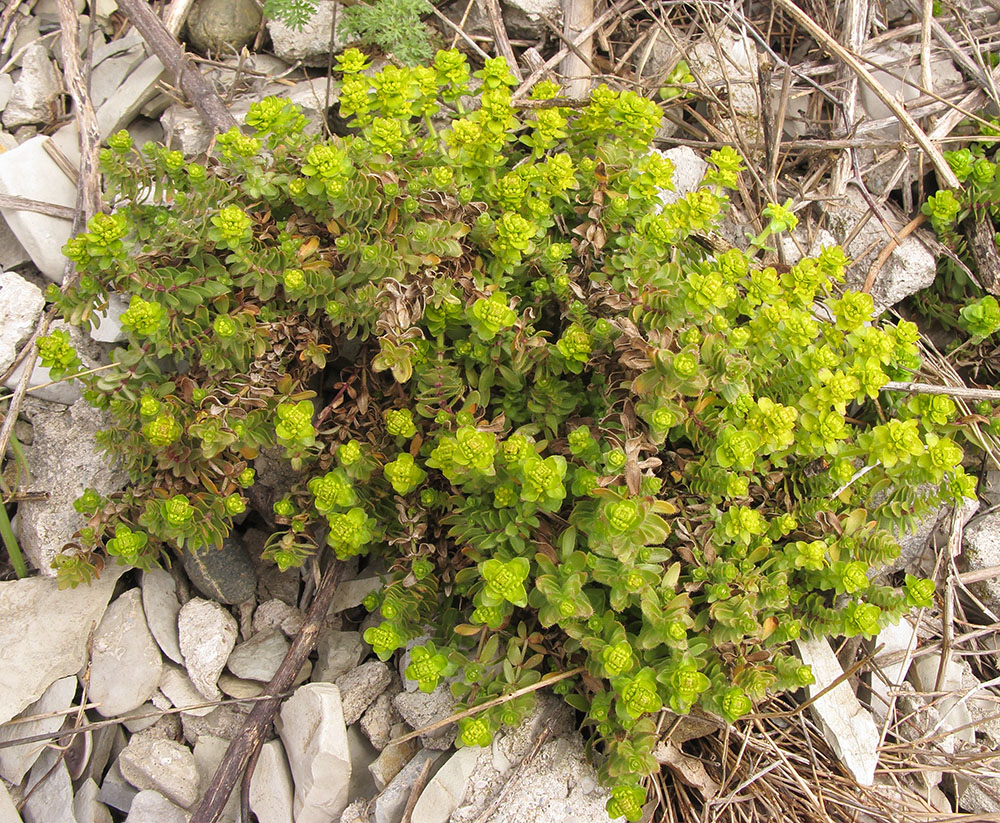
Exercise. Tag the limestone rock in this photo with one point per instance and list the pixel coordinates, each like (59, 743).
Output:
(21, 303)
(207, 636)
(223, 574)
(126, 664)
(981, 550)
(8, 812)
(689, 169)
(180, 691)
(164, 765)
(271, 790)
(391, 802)
(150, 806)
(225, 721)
(16, 760)
(360, 687)
(419, 710)
(65, 460)
(337, 653)
(259, 657)
(33, 660)
(159, 601)
(391, 761)
(380, 717)
(446, 790)
(86, 807)
(849, 728)
(208, 754)
(223, 26)
(35, 92)
(277, 614)
(910, 267)
(309, 45)
(28, 171)
(49, 790)
(311, 726)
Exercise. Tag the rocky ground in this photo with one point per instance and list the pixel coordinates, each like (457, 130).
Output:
(118, 700)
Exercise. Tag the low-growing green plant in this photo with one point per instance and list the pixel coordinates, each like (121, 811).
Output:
(573, 436)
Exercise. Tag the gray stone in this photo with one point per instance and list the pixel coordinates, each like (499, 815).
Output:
(446, 790)
(8, 812)
(223, 26)
(277, 614)
(352, 593)
(558, 785)
(12, 253)
(897, 643)
(232, 686)
(108, 75)
(225, 721)
(309, 45)
(142, 717)
(391, 802)
(86, 807)
(311, 726)
(505, 761)
(981, 550)
(363, 755)
(271, 790)
(49, 791)
(380, 717)
(65, 459)
(207, 636)
(689, 169)
(149, 806)
(126, 664)
(360, 687)
(35, 92)
(159, 601)
(109, 321)
(192, 135)
(910, 267)
(163, 765)
(392, 760)
(116, 791)
(28, 171)
(21, 304)
(419, 710)
(180, 691)
(223, 574)
(208, 754)
(357, 812)
(337, 653)
(16, 760)
(122, 107)
(727, 62)
(6, 87)
(33, 659)
(259, 657)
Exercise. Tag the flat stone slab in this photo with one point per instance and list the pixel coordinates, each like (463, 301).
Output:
(33, 660)
(126, 664)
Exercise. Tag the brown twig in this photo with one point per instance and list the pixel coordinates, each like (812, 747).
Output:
(577, 65)
(9, 201)
(944, 171)
(165, 46)
(250, 738)
(86, 119)
(492, 8)
(7, 17)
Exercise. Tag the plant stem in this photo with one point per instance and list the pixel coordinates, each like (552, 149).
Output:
(10, 541)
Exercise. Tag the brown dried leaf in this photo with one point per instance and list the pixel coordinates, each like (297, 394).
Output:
(689, 770)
